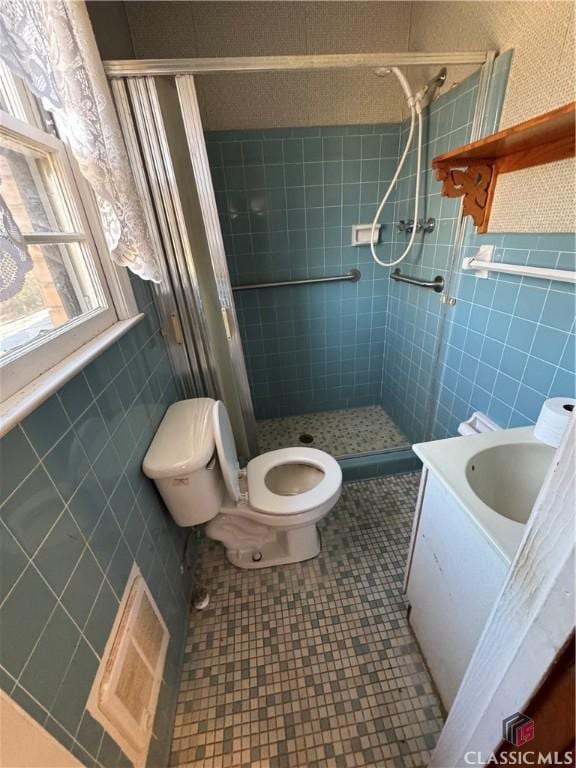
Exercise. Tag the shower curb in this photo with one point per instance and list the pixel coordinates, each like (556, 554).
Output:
(379, 464)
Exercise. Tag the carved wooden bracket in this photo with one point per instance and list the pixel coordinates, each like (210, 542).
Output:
(472, 171)
(473, 184)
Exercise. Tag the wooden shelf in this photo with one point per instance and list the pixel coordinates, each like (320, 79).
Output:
(471, 171)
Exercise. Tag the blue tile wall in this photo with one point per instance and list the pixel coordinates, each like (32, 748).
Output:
(77, 512)
(414, 315)
(509, 341)
(512, 339)
(287, 200)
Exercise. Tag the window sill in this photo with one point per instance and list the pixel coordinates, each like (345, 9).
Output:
(22, 403)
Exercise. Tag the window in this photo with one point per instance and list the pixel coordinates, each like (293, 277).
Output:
(67, 292)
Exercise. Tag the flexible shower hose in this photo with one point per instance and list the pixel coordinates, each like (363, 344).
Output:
(415, 113)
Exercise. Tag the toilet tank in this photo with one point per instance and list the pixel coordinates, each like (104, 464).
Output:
(182, 462)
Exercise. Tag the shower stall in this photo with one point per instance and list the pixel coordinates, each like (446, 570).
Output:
(271, 298)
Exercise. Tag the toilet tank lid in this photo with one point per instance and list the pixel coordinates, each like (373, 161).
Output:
(184, 440)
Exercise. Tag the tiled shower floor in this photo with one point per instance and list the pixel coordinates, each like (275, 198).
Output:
(312, 664)
(355, 430)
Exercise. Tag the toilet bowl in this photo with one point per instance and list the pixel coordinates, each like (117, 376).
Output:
(265, 514)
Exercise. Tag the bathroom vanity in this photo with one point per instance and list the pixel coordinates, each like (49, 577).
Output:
(476, 495)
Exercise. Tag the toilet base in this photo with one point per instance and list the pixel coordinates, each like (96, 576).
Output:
(292, 545)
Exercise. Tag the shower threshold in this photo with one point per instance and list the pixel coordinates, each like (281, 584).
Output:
(340, 433)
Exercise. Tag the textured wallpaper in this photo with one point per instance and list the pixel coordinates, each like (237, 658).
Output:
(541, 78)
(268, 100)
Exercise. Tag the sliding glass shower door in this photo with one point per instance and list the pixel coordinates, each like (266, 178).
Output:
(306, 338)
(349, 367)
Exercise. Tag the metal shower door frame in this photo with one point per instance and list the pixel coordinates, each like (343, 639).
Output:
(292, 63)
(447, 300)
(177, 297)
(192, 120)
(183, 71)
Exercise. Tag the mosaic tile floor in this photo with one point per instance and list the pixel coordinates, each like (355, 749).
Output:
(356, 430)
(313, 664)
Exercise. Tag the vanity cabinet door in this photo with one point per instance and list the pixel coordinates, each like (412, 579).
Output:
(454, 578)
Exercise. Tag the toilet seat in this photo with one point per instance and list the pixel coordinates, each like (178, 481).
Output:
(226, 449)
(263, 500)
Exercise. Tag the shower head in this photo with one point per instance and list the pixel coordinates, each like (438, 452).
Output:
(439, 80)
(426, 95)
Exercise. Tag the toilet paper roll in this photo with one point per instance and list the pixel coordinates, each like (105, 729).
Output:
(553, 420)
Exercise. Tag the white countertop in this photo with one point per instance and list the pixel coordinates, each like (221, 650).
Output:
(447, 459)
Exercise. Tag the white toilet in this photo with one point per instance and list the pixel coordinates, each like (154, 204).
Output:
(265, 514)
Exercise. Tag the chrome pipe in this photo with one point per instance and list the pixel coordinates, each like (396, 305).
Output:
(436, 285)
(350, 277)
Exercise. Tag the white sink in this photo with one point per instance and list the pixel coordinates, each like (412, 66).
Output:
(496, 477)
(507, 478)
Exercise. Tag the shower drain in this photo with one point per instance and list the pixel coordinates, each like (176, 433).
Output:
(306, 438)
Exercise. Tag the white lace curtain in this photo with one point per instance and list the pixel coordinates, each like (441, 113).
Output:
(51, 46)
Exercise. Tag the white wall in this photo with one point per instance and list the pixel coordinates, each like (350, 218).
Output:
(25, 744)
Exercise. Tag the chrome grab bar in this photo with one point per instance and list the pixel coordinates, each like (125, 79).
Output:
(436, 285)
(351, 277)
